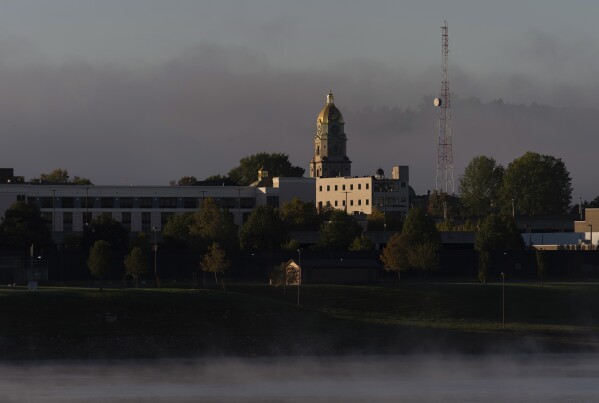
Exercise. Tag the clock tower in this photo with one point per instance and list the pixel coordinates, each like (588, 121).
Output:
(330, 144)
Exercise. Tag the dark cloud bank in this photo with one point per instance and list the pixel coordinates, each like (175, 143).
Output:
(200, 113)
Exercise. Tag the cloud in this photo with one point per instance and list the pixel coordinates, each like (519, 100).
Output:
(199, 113)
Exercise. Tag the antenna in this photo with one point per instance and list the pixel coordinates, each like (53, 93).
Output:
(444, 180)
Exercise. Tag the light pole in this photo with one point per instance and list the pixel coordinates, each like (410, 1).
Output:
(299, 278)
(202, 192)
(591, 227)
(513, 209)
(503, 300)
(155, 250)
(346, 200)
(580, 207)
(53, 211)
(86, 205)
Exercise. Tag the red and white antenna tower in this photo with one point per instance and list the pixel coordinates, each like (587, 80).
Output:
(444, 181)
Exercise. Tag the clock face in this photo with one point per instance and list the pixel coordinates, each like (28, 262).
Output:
(335, 129)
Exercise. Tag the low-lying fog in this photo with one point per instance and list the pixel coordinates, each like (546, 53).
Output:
(547, 378)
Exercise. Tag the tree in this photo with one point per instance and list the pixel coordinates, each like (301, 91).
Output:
(184, 181)
(376, 220)
(211, 224)
(496, 233)
(99, 261)
(479, 186)
(440, 202)
(542, 263)
(395, 255)
(136, 264)
(57, 176)
(22, 227)
(107, 229)
(263, 230)
(176, 231)
(419, 228)
(538, 185)
(277, 164)
(298, 215)
(424, 256)
(484, 259)
(61, 176)
(215, 260)
(339, 232)
(361, 243)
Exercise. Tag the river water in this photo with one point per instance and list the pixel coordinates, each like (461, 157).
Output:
(410, 378)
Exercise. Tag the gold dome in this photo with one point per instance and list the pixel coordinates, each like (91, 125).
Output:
(330, 113)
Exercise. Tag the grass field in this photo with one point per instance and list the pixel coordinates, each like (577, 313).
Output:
(56, 322)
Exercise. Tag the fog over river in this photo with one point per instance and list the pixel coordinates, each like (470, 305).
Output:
(410, 378)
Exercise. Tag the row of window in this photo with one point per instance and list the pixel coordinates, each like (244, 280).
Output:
(336, 187)
(138, 202)
(337, 203)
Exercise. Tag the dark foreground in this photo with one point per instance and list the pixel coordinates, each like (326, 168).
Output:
(246, 321)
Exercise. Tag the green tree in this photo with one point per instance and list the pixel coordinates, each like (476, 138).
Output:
(81, 181)
(136, 264)
(376, 220)
(57, 176)
(176, 231)
(215, 260)
(395, 255)
(277, 164)
(185, 181)
(484, 260)
(538, 185)
(339, 232)
(419, 228)
(361, 243)
(108, 229)
(211, 224)
(438, 202)
(497, 233)
(99, 261)
(542, 263)
(22, 227)
(298, 215)
(263, 230)
(424, 256)
(479, 186)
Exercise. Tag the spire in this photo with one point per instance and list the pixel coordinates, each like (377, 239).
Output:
(330, 99)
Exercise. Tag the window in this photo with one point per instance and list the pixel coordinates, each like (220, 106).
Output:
(145, 202)
(320, 188)
(403, 199)
(106, 202)
(248, 202)
(343, 187)
(403, 184)
(21, 198)
(335, 203)
(227, 202)
(351, 187)
(167, 202)
(190, 202)
(359, 186)
(126, 220)
(67, 221)
(47, 216)
(328, 188)
(45, 202)
(335, 187)
(351, 202)
(367, 186)
(146, 221)
(126, 202)
(343, 203)
(367, 202)
(67, 202)
(359, 202)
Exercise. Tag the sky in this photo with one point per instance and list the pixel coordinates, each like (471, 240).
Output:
(143, 91)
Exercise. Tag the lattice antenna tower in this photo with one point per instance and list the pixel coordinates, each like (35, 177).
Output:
(444, 180)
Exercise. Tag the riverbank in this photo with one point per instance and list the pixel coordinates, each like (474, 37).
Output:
(256, 320)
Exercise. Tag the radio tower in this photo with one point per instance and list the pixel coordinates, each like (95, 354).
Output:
(444, 181)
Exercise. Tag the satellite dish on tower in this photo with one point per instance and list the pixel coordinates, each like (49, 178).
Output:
(437, 101)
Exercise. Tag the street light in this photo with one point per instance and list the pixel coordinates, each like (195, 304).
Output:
(591, 226)
(299, 279)
(155, 230)
(503, 300)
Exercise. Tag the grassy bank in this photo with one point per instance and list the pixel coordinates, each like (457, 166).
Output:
(261, 320)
